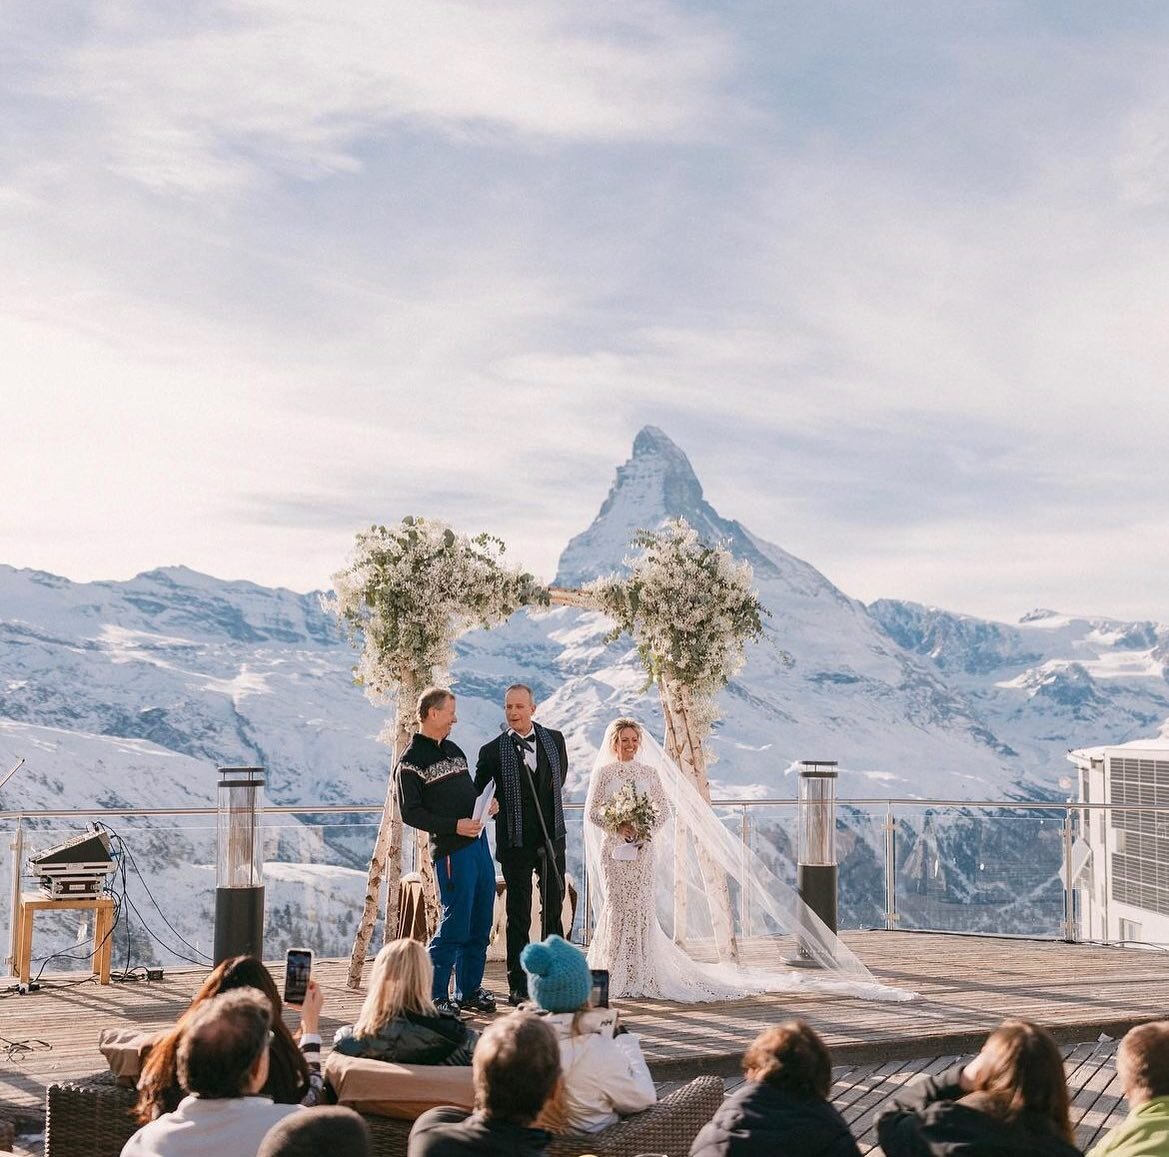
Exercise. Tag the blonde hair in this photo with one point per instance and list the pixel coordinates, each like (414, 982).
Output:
(624, 724)
(1142, 1061)
(400, 982)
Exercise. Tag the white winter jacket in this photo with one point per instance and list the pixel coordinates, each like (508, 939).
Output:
(605, 1076)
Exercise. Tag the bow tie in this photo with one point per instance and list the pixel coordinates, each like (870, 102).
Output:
(525, 743)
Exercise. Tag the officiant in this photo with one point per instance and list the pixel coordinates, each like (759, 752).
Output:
(529, 764)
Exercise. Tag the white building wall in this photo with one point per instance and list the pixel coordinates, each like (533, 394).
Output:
(1123, 892)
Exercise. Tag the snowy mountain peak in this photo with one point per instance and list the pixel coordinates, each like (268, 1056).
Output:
(656, 484)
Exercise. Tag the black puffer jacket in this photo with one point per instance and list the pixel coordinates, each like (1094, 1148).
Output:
(941, 1120)
(761, 1120)
(412, 1039)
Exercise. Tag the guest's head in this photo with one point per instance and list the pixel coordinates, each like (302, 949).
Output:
(332, 1129)
(626, 738)
(792, 1057)
(1142, 1063)
(436, 712)
(1020, 1070)
(400, 982)
(243, 972)
(288, 1077)
(516, 1068)
(559, 979)
(224, 1047)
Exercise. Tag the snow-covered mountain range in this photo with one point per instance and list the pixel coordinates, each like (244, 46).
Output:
(128, 694)
(101, 681)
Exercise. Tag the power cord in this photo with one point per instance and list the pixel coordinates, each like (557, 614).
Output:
(118, 890)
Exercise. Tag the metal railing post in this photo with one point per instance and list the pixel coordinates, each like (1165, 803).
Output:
(1069, 909)
(586, 915)
(17, 848)
(891, 916)
(744, 896)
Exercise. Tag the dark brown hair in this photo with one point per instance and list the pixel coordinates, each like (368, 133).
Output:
(1142, 1061)
(222, 1043)
(288, 1079)
(331, 1129)
(516, 1068)
(429, 699)
(1023, 1073)
(790, 1056)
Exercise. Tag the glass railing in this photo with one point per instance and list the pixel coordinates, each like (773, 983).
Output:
(987, 867)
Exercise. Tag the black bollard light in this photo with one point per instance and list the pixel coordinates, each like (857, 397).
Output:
(239, 866)
(816, 871)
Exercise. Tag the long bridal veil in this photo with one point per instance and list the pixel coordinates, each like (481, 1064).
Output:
(709, 887)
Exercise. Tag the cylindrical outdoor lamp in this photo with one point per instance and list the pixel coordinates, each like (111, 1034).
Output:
(816, 843)
(239, 866)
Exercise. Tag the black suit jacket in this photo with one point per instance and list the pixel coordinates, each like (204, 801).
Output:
(489, 766)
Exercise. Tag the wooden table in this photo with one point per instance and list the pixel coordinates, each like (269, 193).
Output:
(103, 929)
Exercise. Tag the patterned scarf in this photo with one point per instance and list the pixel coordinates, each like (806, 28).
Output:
(509, 764)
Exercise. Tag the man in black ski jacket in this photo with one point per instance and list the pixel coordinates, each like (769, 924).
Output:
(437, 795)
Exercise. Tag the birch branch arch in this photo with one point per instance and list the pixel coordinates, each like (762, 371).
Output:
(411, 590)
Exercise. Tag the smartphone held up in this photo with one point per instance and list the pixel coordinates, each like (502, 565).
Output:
(298, 967)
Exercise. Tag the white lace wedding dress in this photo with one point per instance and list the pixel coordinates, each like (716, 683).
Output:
(628, 940)
(631, 899)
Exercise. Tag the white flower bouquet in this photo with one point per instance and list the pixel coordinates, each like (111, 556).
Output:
(630, 808)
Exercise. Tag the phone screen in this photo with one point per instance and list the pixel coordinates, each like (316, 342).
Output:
(298, 966)
(600, 997)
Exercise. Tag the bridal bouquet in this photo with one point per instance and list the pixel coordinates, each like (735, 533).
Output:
(630, 807)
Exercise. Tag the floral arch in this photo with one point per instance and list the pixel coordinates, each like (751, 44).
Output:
(409, 591)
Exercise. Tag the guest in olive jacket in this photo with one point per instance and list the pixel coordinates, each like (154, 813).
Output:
(783, 1109)
(398, 1021)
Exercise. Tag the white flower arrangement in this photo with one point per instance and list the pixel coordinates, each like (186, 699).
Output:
(410, 590)
(690, 607)
(628, 806)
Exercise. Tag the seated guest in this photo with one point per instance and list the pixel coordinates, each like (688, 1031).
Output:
(223, 1065)
(1011, 1099)
(294, 1074)
(334, 1130)
(516, 1072)
(398, 1021)
(605, 1072)
(1142, 1064)
(783, 1109)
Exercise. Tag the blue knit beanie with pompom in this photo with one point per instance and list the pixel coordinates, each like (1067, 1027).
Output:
(559, 979)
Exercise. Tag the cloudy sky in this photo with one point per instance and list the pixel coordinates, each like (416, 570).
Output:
(895, 276)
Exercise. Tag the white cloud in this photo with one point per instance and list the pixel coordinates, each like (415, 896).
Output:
(228, 95)
(895, 281)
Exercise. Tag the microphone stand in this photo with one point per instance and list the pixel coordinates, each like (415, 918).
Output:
(12, 773)
(548, 851)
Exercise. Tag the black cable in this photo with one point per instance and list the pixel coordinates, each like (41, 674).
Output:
(71, 953)
(17, 1048)
(154, 936)
(123, 905)
(128, 855)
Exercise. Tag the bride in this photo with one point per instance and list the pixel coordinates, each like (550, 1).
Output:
(649, 873)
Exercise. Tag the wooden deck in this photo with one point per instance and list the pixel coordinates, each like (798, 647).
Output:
(966, 985)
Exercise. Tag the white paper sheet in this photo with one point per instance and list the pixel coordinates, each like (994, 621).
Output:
(484, 802)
